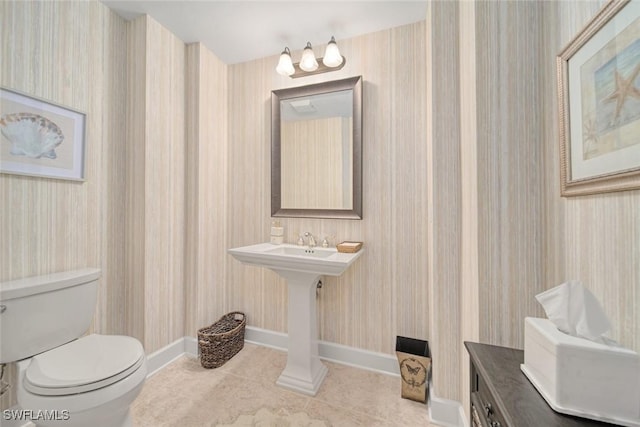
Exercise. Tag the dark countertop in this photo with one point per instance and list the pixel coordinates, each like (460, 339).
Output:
(516, 398)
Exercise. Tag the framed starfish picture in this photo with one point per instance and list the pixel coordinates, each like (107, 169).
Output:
(599, 103)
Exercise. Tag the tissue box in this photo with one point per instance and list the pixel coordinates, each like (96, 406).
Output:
(581, 377)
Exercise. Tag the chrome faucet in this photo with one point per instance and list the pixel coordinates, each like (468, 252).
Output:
(311, 241)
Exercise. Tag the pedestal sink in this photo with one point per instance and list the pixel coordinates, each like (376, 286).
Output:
(302, 267)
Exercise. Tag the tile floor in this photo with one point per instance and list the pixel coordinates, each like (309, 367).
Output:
(185, 394)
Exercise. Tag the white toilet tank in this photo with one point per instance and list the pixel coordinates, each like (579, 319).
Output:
(43, 312)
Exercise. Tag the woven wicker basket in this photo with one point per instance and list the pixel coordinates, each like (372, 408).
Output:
(221, 341)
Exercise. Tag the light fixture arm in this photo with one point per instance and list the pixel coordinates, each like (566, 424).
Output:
(321, 69)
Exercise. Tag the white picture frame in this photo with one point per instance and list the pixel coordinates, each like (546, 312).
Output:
(40, 138)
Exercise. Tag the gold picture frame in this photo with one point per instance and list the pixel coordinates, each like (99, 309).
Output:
(598, 76)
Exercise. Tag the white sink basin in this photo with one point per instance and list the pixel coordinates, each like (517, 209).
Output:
(302, 251)
(319, 261)
(302, 267)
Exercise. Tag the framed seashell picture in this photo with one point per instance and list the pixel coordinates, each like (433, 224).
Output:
(40, 138)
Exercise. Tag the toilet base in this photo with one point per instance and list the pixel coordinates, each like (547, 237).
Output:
(106, 407)
(128, 422)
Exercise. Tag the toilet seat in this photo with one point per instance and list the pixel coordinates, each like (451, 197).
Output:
(83, 365)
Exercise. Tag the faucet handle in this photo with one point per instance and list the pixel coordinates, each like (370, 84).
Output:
(311, 241)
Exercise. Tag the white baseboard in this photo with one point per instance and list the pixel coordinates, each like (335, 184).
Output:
(167, 354)
(445, 412)
(191, 346)
(363, 359)
(266, 338)
(442, 412)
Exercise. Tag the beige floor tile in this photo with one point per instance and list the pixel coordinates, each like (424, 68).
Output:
(186, 395)
(257, 363)
(371, 393)
(248, 397)
(336, 416)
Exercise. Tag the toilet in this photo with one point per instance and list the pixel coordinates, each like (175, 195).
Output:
(65, 378)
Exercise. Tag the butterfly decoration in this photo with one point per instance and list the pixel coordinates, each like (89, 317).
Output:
(413, 369)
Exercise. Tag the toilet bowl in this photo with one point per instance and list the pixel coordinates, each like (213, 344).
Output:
(88, 382)
(64, 380)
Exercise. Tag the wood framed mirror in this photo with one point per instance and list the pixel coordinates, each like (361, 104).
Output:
(316, 150)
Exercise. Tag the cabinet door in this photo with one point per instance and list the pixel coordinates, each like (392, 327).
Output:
(485, 407)
(477, 417)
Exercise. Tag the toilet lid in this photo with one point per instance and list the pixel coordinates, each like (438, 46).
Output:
(86, 364)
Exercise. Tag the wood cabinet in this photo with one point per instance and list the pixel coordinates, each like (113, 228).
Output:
(502, 396)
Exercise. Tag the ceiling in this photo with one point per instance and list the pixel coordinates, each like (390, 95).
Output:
(239, 31)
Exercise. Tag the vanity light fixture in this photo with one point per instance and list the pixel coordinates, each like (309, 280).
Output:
(332, 57)
(309, 64)
(308, 61)
(285, 65)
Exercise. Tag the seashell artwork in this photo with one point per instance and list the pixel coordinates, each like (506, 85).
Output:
(31, 135)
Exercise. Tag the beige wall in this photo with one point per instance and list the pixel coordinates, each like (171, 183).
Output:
(51, 225)
(155, 172)
(524, 237)
(385, 293)
(312, 157)
(444, 202)
(509, 168)
(595, 239)
(501, 170)
(127, 218)
(463, 223)
(207, 184)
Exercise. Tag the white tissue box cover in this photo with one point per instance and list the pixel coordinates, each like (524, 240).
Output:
(581, 377)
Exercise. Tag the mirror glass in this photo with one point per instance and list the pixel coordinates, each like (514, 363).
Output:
(316, 155)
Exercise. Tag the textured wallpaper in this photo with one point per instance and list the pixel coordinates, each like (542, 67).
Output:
(463, 219)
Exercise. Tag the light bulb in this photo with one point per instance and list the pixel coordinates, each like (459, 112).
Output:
(332, 57)
(308, 61)
(285, 66)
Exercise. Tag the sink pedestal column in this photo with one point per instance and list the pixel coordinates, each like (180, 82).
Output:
(304, 372)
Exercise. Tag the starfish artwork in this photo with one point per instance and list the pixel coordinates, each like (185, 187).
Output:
(612, 119)
(625, 88)
(599, 103)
